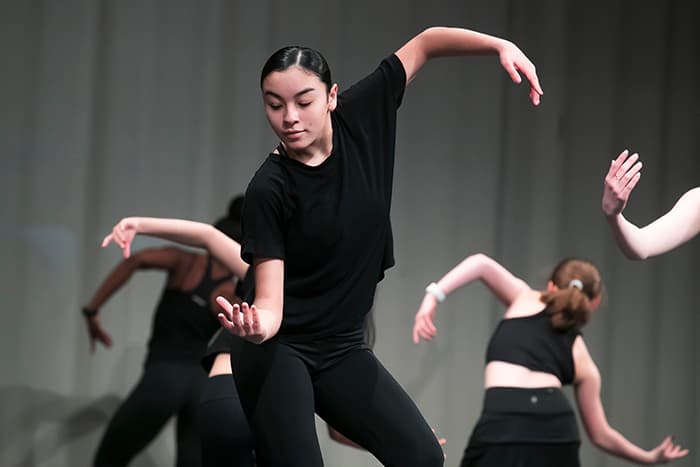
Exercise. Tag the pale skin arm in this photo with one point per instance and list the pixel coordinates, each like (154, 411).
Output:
(197, 234)
(261, 320)
(498, 279)
(153, 258)
(667, 232)
(450, 42)
(587, 386)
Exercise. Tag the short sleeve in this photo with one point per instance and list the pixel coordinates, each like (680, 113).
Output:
(263, 219)
(383, 88)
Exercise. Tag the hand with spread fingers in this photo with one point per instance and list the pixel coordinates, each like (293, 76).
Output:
(624, 173)
(667, 451)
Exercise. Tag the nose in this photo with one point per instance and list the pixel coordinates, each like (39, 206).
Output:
(291, 114)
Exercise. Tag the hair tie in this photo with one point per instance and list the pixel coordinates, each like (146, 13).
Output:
(576, 283)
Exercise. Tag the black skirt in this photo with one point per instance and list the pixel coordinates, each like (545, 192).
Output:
(524, 427)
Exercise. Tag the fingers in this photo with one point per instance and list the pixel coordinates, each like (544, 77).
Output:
(242, 320)
(423, 328)
(513, 72)
(107, 239)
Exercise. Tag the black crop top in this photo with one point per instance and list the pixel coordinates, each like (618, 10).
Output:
(532, 342)
(184, 322)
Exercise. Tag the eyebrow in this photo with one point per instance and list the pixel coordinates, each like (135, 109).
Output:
(300, 93)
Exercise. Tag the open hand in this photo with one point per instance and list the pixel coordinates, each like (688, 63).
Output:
(622, 177)
(241, 320)
(667, 451)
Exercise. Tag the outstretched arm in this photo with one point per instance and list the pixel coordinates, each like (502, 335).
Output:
(605, 437)
(502, 283)
(448, 42)
(152, 258)
(191, 233)
(672, 229)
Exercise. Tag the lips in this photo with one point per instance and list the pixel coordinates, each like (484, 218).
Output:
(293, 134)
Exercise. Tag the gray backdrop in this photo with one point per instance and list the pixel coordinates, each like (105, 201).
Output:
(115, 108)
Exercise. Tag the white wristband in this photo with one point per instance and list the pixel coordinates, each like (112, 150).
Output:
(435, 290)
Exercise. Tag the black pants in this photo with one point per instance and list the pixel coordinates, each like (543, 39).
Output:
(280, 386)
(165, 390)
(223, 429)
(524, 427)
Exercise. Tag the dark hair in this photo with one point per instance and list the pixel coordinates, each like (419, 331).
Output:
(231, 223)
(570, 306)
(309, 59)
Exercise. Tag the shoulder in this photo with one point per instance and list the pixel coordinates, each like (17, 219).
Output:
(270, 177)
(388, 79)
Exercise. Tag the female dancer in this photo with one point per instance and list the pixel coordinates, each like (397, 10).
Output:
(536, 348)
(172, 380)
(667, 232)
(317, 233)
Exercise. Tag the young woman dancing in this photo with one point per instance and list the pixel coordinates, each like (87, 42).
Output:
(317, 234)
(537, 347)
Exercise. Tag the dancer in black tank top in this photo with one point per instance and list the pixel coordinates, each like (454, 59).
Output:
(537, 348)
(172, 379)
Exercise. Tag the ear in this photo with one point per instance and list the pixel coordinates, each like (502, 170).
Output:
(551, 287)
(333, 97)
(595, 303)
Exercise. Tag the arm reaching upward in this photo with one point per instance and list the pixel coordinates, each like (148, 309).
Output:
(498, 279)
(191, 233)
(587, 387)
(449, 42)
(667, 232)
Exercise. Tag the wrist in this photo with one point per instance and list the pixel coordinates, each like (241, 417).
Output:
(89, 312)
(437, 293)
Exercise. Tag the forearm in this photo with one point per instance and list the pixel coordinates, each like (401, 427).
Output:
(628, 237)
(196, 234)
(660, 236)
(616, 444)
(448, 42)
(113, 282)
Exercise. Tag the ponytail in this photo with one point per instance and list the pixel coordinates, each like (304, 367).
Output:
(568, 307)
(577, 283)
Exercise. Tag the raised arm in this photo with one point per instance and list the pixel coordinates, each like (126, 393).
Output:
(498, 279)
(165, 258)
(449, 42)
(672, 229)
(602, 435)
(191, 233)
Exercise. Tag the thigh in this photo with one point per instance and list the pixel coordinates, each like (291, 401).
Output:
(224, 434)
(139, 418)
(189, 450)
(277, 396)
(359, 398)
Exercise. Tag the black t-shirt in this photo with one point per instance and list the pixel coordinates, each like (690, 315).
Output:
(330, 223)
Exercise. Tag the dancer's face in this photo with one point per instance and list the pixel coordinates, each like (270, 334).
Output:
(298, 106)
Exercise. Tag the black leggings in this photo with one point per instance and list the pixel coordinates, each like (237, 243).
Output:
(280, 387)
(165, 390)
(223, 429)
